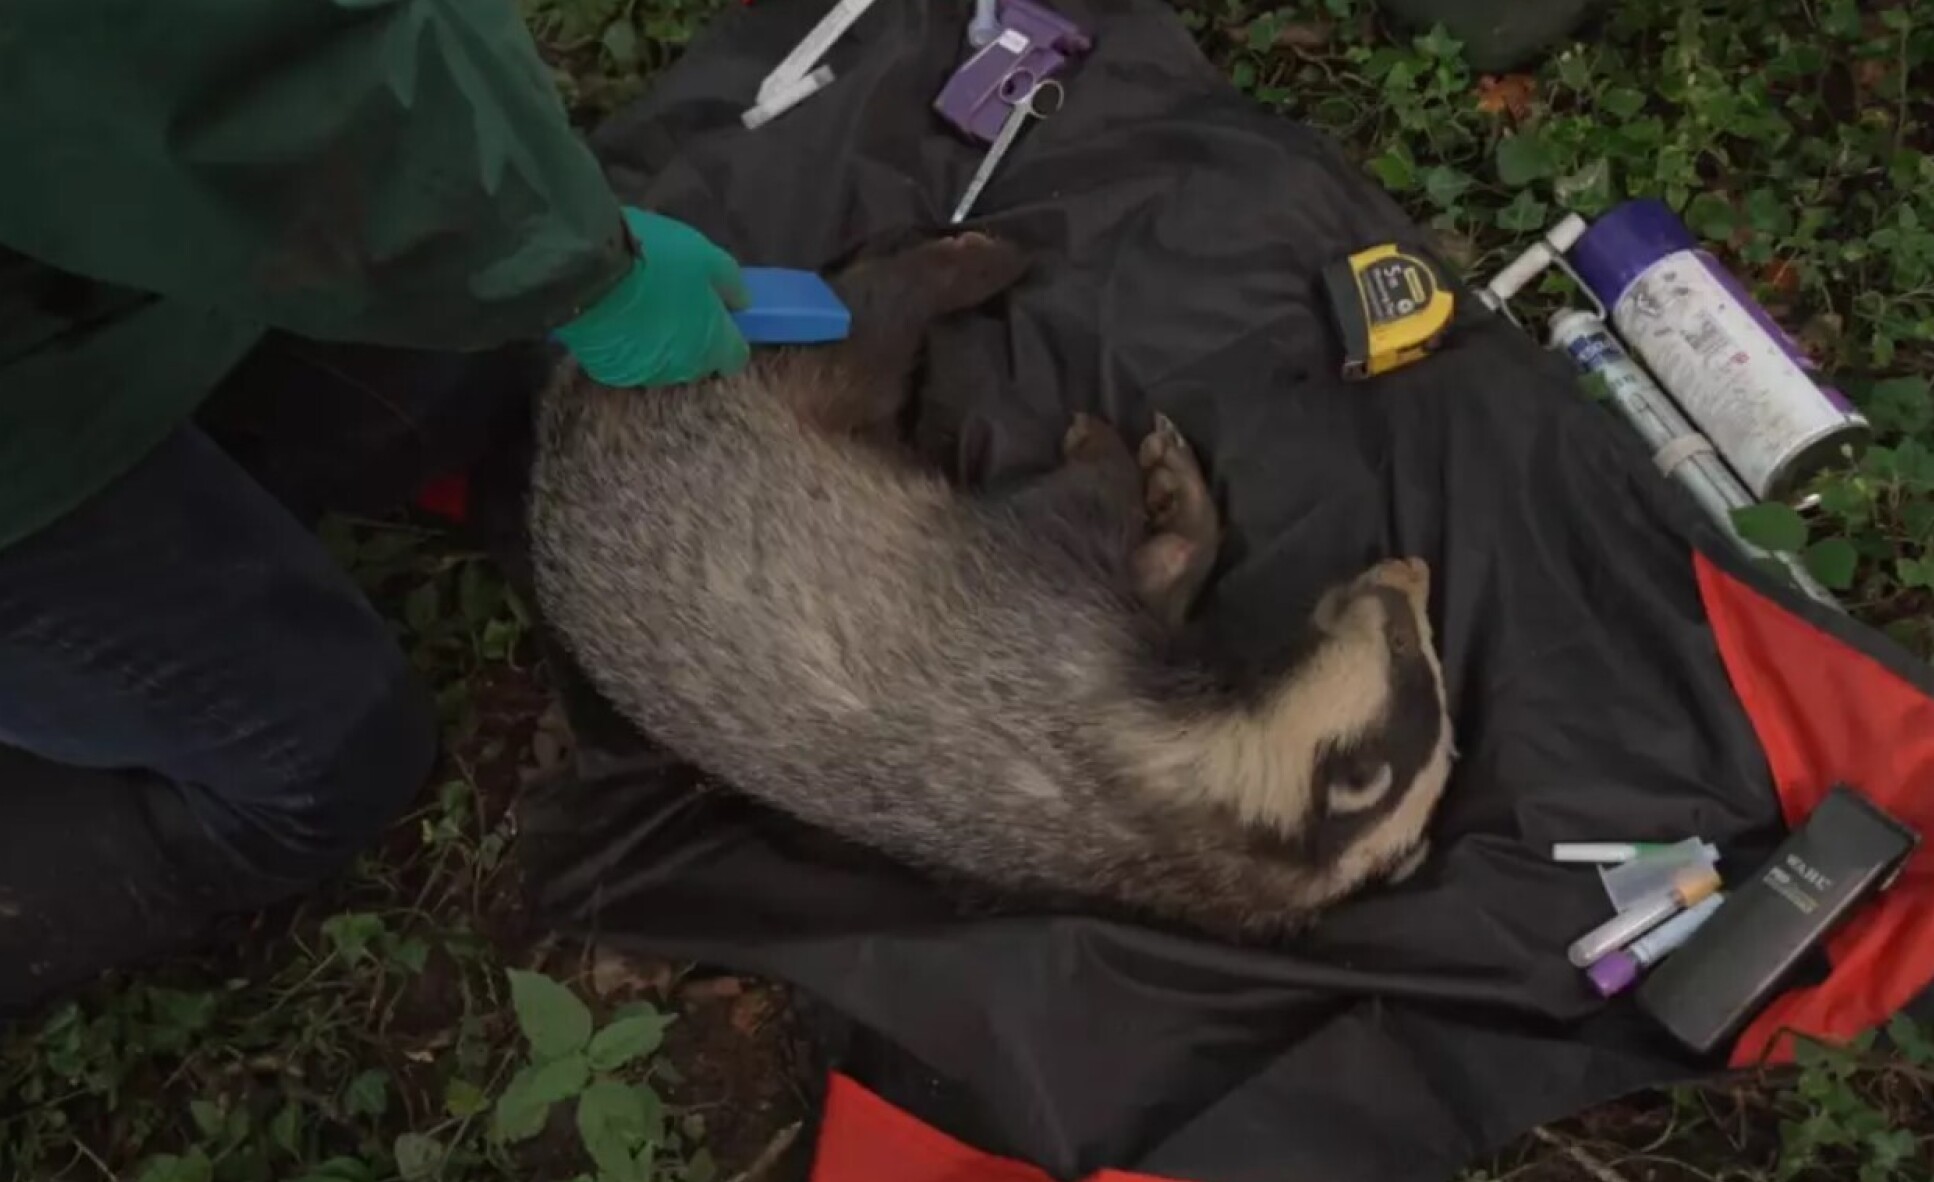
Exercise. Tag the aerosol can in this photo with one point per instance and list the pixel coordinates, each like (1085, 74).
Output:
(1742, 380)
(1728, 405)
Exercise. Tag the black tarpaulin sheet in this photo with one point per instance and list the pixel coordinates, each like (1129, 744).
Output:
(1181, 230)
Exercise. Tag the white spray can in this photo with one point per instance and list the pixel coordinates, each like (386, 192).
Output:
(1735, 373)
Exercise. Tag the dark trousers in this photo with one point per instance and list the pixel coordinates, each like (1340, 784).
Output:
(199, 713)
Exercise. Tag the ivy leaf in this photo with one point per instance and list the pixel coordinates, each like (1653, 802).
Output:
(1711, 216)
(620, 40)
(286, 1130)
(351, 933)
(1623, 102)
(1524, 213)
(463, 1099)
(368, 1093)
(411, 953)
(1767, 213)
(1914, 572)
(1911, 1040)
(627, 1040)
(1772, 526)
(1438, 43)
(193, 1167)
(615, 1121)
(417, 1156)
(701, 1167)
(526, 1102)
(340, 1169)
(1395, 169)
(422, 608)
(1523, 158)
(1444, 185)
(1832, 562)
(1587, 190)
(208, 1117)
(1900, 404)
(550, 1015)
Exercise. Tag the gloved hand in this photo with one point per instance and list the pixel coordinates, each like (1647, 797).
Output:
(669, 320)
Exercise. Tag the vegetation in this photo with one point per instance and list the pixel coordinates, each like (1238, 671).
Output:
(407, 1025)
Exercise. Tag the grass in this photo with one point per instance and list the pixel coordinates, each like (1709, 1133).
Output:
(408, 1024)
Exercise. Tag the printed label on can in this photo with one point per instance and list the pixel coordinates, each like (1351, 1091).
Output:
(1772, 329)
(1738, 384)
(1595, 351)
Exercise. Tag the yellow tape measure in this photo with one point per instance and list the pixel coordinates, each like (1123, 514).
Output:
(1390, 308)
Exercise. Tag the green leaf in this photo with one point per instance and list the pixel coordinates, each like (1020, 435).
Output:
(422, 608)
(1892, 1148)
(550, 1015)
(701, 1167)
(1395, 169)
(1910, 1040)
(480, 594)
(620, 40)
(208, 1117)
(1772, 526)
(1523, 158)
(417, 1156)
(1622, 102)
(1588, 190)
(1767, 212)
(1832, 562)
(179, 1015)
(1914, 572)
(615, 1121)
(286, 1129)
(340, 1169)
(1438, 43)
(193, 1167)
(1900, 404)
(526, 1103)
(1710, 216)
(235, 1130)
(368, 1093)
(627, 1040)
(410, 953)
(1264, 30)
(351, 934)
(463, 1099)
(1524, 213)
(1444, 185)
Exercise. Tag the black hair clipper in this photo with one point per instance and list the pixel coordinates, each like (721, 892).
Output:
(1846, 850)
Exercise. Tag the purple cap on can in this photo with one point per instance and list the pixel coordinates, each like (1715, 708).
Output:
(1624, 241)
(1612, 973)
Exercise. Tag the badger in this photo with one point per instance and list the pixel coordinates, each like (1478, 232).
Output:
(1004, 688)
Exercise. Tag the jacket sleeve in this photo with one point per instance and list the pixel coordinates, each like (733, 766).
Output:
(388, 171)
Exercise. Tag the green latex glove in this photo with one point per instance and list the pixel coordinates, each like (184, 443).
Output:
(669, 320)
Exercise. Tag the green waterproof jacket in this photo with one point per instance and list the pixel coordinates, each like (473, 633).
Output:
(175, 178)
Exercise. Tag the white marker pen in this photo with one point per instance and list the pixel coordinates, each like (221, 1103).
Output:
(1614, 853)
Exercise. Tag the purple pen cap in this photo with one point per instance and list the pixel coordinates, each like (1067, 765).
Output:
(1613, 973)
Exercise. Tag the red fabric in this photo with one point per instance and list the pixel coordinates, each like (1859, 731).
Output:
(862, 1138)
(1826, 713)
(446, 496)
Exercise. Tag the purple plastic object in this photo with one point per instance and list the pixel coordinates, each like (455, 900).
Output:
(1613, 974)
(1035, 43)
(1632, 236)
(1625, 241)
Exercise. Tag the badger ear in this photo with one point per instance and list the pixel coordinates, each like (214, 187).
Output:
(1358, 785)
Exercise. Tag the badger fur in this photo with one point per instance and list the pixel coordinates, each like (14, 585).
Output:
(1001, 688)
